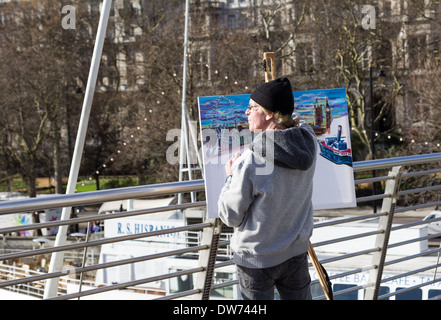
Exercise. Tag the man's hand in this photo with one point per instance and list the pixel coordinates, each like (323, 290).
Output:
(230, 164)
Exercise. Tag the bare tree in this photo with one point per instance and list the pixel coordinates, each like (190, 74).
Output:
(143, 98)
(425, 134)
(40, 67)
(318, 44)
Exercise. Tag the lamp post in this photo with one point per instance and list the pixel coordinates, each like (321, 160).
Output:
(381, 77)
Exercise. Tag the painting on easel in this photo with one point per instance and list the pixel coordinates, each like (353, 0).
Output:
(224, 131)
(326, 111)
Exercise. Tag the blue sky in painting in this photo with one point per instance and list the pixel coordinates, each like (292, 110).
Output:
(305, 100)
(229, 110)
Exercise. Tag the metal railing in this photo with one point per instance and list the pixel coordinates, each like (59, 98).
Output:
(373, 263)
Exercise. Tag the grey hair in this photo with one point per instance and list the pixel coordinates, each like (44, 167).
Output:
(283, 120)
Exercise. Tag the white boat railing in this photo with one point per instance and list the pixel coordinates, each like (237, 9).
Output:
(211, 247)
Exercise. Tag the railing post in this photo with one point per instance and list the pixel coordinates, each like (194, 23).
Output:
(382, 240)
(207, 258)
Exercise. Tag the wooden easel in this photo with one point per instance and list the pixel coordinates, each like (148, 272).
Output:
(323, 278)
(269, 65)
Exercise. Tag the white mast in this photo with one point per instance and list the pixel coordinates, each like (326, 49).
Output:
(56, 263)
(184, 150)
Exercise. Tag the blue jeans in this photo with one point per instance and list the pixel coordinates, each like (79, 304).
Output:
(291, 278)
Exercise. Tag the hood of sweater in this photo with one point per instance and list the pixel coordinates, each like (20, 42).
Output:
(293, 148)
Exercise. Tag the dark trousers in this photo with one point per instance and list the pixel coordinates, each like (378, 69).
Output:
(291, 278)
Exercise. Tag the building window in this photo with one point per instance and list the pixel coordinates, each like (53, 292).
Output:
(231, 21)
(180, 283)
(417, 52)
(387, 9)
(305, 57)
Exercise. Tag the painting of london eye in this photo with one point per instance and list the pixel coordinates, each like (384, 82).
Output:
(224, 126)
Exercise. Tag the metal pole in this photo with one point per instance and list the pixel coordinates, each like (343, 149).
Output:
(83, 263)
(184, 134)
(207, 259)
(56, 263)
(382, 240)
(374, 203)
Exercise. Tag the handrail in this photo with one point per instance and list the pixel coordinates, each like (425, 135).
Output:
(100, 266)
(390, 162)
(93, 197)
(92, 243)
(108, 216)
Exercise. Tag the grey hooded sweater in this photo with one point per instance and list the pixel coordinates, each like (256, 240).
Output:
(268, 199)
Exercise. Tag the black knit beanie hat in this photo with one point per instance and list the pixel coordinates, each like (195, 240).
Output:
(275, 96)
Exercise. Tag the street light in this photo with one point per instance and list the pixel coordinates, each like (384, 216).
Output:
(381, 76)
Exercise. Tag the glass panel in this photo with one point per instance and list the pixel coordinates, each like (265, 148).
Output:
(347, 296)
(416, 294)
(434, 293)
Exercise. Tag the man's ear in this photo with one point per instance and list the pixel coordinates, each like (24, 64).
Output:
(269, 116)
